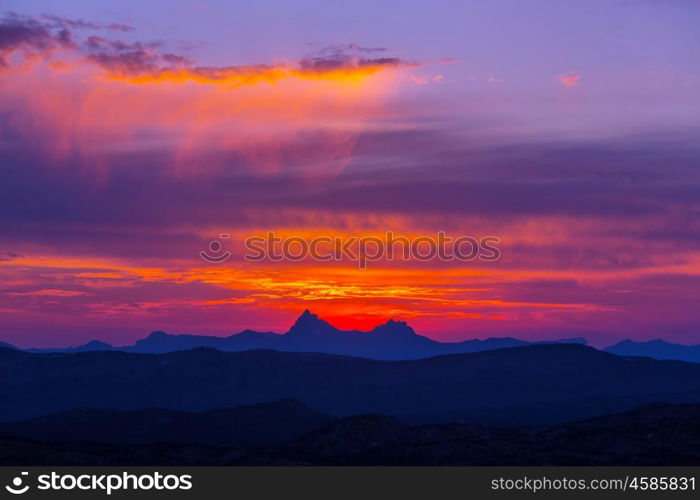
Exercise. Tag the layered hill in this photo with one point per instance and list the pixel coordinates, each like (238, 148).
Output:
(540, 384)
(652, 435)
(657, 349)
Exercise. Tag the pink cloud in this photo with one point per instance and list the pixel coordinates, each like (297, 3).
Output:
(48, 293)
(570, 79)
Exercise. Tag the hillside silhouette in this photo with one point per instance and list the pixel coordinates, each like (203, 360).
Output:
(658, 434)
(531, 385)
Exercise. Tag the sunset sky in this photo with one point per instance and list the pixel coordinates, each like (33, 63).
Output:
(134, 133)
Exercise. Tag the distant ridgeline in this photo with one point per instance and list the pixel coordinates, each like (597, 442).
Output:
(394, 340)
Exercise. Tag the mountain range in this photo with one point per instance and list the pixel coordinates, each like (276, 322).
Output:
(273, 423)
(531, 404)
(541, 384)
(658, 349)
(393, 340)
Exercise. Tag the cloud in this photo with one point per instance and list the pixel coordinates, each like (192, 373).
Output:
(107, 93)
(126, 58)
(610, 193)
(569, 79)
(40, 36)
(48, 293)
(31, 37)
(346, 47)
(138, 63)
(419, 80)
(427, 79)
(494, 80)
(335, 57)
(65, 22)
(146, 62)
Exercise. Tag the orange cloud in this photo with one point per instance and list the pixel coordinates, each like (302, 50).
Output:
(352, 299)
(236, 76)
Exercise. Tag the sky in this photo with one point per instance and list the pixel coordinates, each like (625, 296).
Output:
(132, 134)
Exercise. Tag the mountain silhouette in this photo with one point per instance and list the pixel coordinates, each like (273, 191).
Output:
(540, 384)
(393, 340)
(5, 345)
(658, 349)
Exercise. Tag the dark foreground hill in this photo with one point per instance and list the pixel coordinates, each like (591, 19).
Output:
(533, 385)
(657, 434)
(651, 435)
(264, 424)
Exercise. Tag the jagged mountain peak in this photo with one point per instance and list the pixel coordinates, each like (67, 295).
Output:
(310, 323)
(157, 334)
(393, 327)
